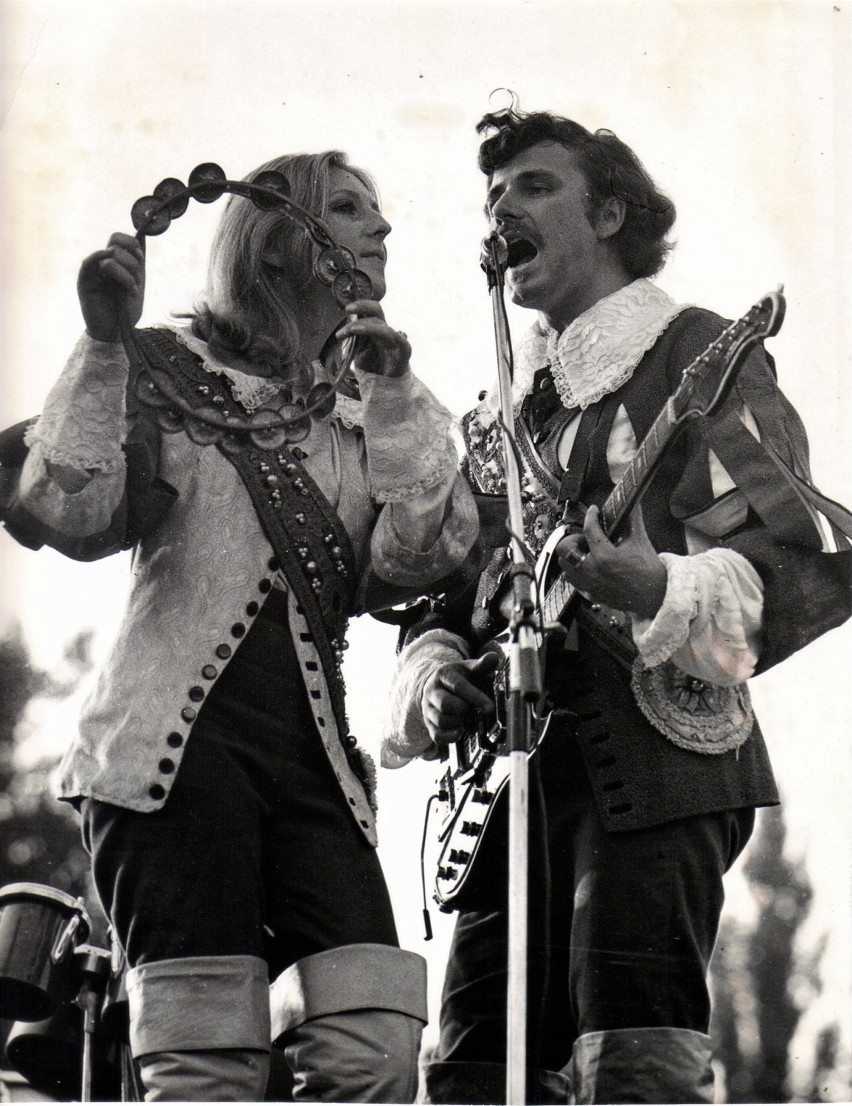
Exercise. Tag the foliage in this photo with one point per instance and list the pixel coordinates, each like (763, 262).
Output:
(763, 982)
(39, 837)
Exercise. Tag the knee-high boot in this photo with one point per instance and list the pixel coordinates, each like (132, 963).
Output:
(199, 1028)
(349, 1021)
(644, 1065)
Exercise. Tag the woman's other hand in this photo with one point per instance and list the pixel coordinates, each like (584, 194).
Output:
(111, 280)
(378, 348)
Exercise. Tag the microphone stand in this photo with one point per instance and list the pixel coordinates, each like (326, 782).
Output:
(524, 688)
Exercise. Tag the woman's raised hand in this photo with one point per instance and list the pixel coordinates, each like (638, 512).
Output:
(378, 349)
(111, 280)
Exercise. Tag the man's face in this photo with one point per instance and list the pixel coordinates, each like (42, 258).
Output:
(556, 257)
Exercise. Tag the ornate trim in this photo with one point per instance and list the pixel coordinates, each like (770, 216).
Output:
(693, 714)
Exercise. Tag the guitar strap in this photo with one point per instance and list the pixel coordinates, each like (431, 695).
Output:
(567, 488)
(788, 506)
(578, 459)
(309, 540)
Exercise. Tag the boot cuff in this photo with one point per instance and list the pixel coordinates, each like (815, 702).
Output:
(353, 977)
(651, 1064)
(198, 1003)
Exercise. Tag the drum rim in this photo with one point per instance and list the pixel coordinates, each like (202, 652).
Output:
(19, 891)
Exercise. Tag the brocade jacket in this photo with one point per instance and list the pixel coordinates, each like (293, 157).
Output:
(202, 562)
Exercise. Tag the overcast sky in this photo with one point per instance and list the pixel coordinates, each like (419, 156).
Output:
(741, 110)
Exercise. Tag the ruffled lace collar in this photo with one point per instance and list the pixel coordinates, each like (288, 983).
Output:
(255, 392)
(599, 350)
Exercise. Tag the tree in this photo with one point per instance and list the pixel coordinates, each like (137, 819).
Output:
(762, 982)
(39, 837)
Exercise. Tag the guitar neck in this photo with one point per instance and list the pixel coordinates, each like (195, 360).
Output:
(624, 496)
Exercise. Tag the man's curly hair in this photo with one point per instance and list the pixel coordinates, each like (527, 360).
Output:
(610, 168)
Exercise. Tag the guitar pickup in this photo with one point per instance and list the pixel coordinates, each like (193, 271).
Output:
(481, 796)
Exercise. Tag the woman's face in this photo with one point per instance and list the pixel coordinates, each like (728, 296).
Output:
(355, 221)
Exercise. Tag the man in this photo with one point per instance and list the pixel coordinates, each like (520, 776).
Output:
(651, 777)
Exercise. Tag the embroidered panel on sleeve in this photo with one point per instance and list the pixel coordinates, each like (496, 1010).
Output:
(82, 424)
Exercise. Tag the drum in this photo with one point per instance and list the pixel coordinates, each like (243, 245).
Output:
(39, 930)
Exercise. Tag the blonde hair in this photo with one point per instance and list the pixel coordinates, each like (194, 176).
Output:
(247, 310)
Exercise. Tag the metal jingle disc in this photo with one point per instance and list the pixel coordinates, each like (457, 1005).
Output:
(149, 216)
(148, 393)
(331, 262)
(170, 420)
(272, 437)
(175, 193)
(231, 444)
(324, 397)
(352, 285)
(274, 182)
(207, 182)
(203, 433)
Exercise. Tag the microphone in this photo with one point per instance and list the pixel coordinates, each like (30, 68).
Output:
(493, 251)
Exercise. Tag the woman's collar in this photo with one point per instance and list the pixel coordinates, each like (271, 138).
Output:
(256, 392)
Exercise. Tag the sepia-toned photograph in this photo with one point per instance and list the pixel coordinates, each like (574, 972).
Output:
(426, 551)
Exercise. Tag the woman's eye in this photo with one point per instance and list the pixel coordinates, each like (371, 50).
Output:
(345, 207)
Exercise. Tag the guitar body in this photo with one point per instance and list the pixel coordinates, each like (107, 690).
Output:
(472, 816)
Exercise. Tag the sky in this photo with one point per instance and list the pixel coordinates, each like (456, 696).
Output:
(739, 108)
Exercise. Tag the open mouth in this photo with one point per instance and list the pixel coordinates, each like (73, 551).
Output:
(520, 252)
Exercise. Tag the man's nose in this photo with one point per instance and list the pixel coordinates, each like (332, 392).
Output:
(505, 208)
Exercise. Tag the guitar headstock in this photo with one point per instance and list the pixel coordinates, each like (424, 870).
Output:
(707, 381)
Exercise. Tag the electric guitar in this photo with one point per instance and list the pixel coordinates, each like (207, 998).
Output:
(475, 769)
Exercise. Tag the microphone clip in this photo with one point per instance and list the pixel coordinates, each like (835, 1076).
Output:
(493, 258)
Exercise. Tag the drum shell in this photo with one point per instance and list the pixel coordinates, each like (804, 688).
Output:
(39, 928)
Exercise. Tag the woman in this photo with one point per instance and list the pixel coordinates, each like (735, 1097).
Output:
(226, 807)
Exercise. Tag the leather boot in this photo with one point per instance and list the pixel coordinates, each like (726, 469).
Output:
(648, 1065)
(199, 1028)
(349, 1021)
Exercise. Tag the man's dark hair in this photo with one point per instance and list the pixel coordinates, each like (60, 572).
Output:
(610, 168)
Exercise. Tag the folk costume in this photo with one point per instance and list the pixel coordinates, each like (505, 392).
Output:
(653, 768)
(228, 810)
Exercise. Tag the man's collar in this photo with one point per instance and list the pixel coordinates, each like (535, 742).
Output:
(596, 353)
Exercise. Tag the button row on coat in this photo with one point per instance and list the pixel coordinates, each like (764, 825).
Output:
(196, 693)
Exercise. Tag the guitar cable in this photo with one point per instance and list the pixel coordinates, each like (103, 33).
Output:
(427, 921)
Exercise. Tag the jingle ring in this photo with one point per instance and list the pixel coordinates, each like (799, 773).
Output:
(334, 266)
(152, 215)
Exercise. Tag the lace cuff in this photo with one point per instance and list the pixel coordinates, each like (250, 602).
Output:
(407, 736)
(82, 425)
(710, 620)
(393, 551)
(407, 431)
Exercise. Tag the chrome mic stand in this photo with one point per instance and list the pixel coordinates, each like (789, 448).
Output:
(524, 687)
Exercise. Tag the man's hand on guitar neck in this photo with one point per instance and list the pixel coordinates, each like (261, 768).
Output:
(452, 696)
(628, 576)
